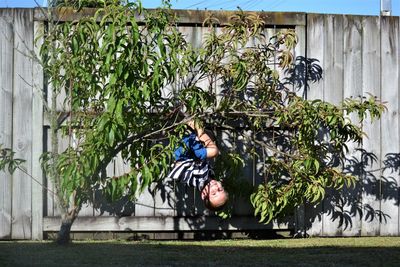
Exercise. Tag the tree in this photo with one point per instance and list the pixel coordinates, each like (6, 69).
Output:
(128, 83)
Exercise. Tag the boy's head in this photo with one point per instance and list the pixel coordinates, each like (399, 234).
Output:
(214, 195)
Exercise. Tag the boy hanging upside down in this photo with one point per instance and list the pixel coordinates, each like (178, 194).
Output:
(192, 167)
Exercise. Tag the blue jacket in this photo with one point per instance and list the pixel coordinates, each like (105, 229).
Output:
(191, 148)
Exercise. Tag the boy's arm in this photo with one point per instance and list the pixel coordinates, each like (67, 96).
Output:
(209, 144)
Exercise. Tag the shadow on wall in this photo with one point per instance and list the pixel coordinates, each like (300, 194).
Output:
(362, 203)
(305, 72)
(376, 183)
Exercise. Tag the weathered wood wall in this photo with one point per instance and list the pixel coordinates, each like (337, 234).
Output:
(359, 55)
(21, 124)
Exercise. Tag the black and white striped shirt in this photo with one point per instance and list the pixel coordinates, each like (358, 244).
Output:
(191, 172)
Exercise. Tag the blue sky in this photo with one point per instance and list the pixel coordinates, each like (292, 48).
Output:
(358, 7)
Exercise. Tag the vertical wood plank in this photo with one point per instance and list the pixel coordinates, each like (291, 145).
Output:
(50, 199)
(22, 123)
(333, 59)
(37, 140)
(300, 53)
(333, 93)
(164, 199)
(239, 142)
(352, 210)
(398, 75)
(6, 91)
(126, 207)
(87, 209)
(250, 172)
(371, 143)
(50, 204)
(315, 50)
(101, 206)
(145, 203)
(390, 125)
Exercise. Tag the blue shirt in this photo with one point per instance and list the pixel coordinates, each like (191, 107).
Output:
(191, 148)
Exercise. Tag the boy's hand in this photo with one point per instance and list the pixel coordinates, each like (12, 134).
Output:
(209, 144)
(191, 124)
(196, 127)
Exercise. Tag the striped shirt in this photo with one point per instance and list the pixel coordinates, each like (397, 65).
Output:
(191, 172)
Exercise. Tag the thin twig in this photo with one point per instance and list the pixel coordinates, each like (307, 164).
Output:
(37, 181)
(276, 150)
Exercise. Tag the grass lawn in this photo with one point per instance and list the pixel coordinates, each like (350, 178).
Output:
(374, 251)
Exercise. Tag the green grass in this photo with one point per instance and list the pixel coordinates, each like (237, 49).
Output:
(377, 251)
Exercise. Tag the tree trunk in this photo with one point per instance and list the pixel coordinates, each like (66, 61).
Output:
(67, 219)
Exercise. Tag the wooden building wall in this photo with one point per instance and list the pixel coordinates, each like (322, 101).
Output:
(359, 56)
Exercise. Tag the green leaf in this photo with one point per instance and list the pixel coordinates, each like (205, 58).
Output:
(75, 45)
(316, 165)
(111, 136)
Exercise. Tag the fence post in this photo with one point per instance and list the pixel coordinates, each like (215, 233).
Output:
(37, 140)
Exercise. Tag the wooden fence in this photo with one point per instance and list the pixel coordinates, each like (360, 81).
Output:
(359, 55)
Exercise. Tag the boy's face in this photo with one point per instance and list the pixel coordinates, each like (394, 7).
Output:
(215, 193)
